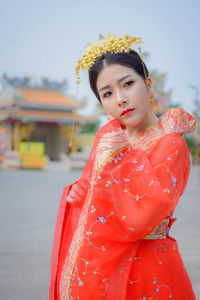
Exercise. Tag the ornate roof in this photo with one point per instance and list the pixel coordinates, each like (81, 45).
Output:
(45, 98)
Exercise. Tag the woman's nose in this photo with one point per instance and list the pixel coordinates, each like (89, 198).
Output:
(121, 99)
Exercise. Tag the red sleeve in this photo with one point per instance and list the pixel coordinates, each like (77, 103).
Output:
(142, 190)
(67, 219)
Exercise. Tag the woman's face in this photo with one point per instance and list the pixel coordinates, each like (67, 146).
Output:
(124, 94)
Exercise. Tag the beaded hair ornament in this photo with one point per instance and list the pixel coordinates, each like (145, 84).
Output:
(110, 43)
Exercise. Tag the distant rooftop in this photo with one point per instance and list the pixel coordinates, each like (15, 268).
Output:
(21, 100)
(45, 97)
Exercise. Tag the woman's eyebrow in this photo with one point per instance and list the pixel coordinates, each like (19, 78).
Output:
(121, 79)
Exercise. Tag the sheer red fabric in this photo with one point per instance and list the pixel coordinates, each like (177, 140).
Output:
(115, 243)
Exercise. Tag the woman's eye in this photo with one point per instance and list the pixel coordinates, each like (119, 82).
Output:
(107, 94)
(128, 83)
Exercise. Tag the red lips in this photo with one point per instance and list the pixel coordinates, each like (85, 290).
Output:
(127, 111)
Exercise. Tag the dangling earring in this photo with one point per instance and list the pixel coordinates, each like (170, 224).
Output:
(110, 117)
(152, 101)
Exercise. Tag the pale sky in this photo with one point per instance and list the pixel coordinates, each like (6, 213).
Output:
(46, 38)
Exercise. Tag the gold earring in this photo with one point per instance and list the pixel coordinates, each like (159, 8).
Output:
(109, 118)
(152, 101)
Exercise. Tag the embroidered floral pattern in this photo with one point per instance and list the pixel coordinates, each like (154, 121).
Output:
(102, 219)
(174, 181)
(160, 232)
(80, 282)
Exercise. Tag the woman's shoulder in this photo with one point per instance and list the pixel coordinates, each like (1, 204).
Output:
(167, 133)
(177, 121)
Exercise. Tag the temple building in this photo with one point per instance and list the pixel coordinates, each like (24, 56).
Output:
(38, 117)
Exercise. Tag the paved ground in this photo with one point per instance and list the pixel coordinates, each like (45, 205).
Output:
(28, 207)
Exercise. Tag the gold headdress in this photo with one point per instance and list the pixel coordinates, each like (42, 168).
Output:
(111, 43)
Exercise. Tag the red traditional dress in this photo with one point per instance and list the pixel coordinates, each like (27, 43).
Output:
(115, 243)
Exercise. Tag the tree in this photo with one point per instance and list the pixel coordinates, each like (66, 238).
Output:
(161, 94)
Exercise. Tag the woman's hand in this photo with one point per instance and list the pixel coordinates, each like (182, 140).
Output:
(72, 192)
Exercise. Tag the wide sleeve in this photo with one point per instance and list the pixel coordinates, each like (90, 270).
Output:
(140, 190)
(67, 218)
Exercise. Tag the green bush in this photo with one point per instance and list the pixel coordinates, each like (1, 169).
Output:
(190, 141)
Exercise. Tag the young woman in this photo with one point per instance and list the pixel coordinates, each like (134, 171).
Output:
(112, 233)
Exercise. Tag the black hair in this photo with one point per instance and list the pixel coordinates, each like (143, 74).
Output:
(129, 59)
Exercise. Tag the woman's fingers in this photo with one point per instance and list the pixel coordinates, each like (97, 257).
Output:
(74, 195)
(71, 193)
(69, 199)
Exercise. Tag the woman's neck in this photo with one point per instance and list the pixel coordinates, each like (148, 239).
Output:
(134, 132)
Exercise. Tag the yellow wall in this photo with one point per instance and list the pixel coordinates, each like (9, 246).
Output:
(85, 140)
